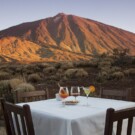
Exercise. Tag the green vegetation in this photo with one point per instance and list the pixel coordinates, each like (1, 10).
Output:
(4, 75)
(116, 70)
(49, 70)
(25, 87)
(14, 83)
(34, 78)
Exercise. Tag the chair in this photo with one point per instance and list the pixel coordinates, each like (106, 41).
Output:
(18, 119)
(31, 96)
(115, 94)
(132, 94)
(118, 116)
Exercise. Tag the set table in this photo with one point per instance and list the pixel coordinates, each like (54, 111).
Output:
(51, 118)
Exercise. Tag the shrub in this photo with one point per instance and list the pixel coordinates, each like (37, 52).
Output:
(44, 65)
(104, 64)
(95, 62)
(111, 60)
(4, 87)
(133, 60)
(19, 69)
(67, 65)
(34, 78)
(49, 70)
(71, 73)
(5, 90)
(57, 65)
(132, 71)
(29, 69)
(81, 73)
(104, 74)
(101, 78)
(115, 69)
(117, 75)
(129, 72)
(4, 75)
(85, 64)
(12, 68)
(126, 72)
(25, 87)
(15, 82)
(106, 69)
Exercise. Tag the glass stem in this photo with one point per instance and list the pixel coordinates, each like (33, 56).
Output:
(63, 102)
(87, 100)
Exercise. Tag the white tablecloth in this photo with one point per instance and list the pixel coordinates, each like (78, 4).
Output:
(51, 118)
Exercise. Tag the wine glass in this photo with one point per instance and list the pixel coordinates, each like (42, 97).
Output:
(75, 91)
(81, 90)
(64, 93)
(87, 92)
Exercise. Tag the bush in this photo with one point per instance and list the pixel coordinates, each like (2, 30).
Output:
(81, 73)
(104, 64)
(106, 69)
(117, 75)
(67, 65)
(70, 73)
(34, 78)
(73, 73)
(14, 83)
(4, 75)
(101, 78)
(4, 87)
(19, 69)
(44, 65)
(85, 64)
(5, 90)
(104, 74)
(115, 69)
(49, 70)
(129, 72)
(57, 65)
(111, 60)
(25, 87)
(29, 69)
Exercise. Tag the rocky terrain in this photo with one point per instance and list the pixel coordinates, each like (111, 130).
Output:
(62, 37)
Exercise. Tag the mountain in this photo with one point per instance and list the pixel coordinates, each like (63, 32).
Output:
(62, 37)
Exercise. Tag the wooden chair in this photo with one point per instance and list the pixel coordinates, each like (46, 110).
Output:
(132, 94)
(118, 116)
(115, 94)
(31, 96)
(18, 119)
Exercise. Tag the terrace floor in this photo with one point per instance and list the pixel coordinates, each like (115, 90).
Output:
(2, 128)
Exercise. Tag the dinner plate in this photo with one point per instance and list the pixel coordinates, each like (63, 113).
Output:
(71, 102)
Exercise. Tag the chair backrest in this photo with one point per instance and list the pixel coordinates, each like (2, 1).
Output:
(132, 94)
(114, 94)
(31, 96)
(18, 119)
(118, 116)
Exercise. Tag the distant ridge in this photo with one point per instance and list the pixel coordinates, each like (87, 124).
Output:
(62, 37)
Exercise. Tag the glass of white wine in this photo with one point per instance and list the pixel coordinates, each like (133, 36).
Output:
(87, 92)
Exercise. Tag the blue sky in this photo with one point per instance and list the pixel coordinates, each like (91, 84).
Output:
(118, 13)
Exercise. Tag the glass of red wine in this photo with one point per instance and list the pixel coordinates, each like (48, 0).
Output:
(75, 91)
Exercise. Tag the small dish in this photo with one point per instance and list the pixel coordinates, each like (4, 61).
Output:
(71, 102)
